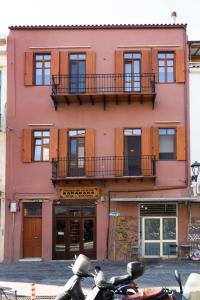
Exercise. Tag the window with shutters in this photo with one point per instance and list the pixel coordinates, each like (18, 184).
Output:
(167, 138)
(41, 145)
(42, 63)
(77, 72)
(132, 70)
(166, 67)
(76, 152)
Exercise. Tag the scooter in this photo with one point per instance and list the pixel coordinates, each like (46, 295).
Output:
(103, 289)
(123, 287)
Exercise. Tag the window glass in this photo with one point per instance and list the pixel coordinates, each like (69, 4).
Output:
(42, 69)
(166, 67)
(41, 141)
(167, 144)
(32, 209)
(132, 131)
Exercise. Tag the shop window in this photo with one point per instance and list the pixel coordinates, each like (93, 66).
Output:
(166, 67)
(167, 137)
(42, 69)
(41, 141)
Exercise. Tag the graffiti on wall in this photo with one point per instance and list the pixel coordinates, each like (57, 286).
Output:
(194, 237)
(125, 235)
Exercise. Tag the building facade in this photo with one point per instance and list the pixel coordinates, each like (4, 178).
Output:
(2, 139)
(98, 146)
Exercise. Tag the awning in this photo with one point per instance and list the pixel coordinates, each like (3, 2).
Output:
(157, 199)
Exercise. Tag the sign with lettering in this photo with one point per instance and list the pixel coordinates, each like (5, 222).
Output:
(79, 193)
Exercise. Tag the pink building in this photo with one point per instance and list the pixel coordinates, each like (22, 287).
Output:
(98, 142)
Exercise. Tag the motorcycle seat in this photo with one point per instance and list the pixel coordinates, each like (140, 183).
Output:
(120, 279)
(145, 294)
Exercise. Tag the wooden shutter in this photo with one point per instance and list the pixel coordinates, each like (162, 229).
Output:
(119, 152)
(64, 70)
(89, 151)
(28, 69)
(146, 68)
(27, 145)
(155, 63)
(63, 153)
(55, 66)
(53, 143)
(90, 70)
(155, 143)
(180, 65)
(180, 143)
(119, 70)
(146, 150)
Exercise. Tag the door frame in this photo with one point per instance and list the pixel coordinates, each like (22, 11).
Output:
(161, 234)
(67, 219)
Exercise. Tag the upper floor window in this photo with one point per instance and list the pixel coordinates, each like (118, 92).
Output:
(42, 69)
(41, 141)
(166, 66)
(132, 70)
(167, 137)
(77, 72)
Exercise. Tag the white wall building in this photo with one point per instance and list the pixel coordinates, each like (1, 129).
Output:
(3, 64)
(194, 71)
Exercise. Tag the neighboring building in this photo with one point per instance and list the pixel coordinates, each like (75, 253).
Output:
(98, 141)
(194, 76)
(2, 139)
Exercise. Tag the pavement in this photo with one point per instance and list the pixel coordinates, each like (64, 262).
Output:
(50, 277)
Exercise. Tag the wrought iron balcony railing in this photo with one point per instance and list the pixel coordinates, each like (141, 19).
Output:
(103, 167)
(103, 83)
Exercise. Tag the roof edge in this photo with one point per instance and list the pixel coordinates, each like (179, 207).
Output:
(109, 26)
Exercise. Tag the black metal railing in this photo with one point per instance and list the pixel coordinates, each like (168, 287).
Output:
(103, 83)
(103, 167)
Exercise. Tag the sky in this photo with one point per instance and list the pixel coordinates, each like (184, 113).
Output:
(72, 12)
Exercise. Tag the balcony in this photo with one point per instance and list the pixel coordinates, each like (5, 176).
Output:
(104, 88)
(105, 167)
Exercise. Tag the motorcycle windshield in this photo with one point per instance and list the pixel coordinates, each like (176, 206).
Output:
(192, 287)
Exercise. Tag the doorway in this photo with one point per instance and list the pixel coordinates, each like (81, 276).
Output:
(74, 230)
(132, 147)
(158, 234)
(32, 229)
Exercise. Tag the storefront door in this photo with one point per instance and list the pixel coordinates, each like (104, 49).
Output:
(158, 233)
(74, 230)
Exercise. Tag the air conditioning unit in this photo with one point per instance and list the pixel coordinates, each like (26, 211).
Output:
(198, 188)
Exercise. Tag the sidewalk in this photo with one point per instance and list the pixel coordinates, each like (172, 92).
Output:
(50, 277)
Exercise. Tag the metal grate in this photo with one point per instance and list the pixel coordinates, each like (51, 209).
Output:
(157, 209)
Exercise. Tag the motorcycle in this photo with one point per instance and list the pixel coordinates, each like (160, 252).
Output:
(123, 287)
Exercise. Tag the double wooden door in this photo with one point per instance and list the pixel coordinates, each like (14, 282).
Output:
(74, 231)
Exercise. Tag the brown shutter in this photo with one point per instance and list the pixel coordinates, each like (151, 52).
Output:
(146, 148)
(146, 68)
(55, 65)
(28, 68)
(89, 151)
(90, 70)
(63, 153)
(180, 143)
(180, 65)
(53, 143)
(155, 63)
(119, 70)
(155, 143)
(27, 145)
(64, 70)
(119, 152)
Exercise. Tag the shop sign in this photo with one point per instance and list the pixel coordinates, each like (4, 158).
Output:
(79, 193)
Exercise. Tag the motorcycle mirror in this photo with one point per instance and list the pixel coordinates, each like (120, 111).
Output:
(178, 279)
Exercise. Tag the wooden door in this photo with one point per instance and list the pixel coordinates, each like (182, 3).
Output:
(32, 231)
